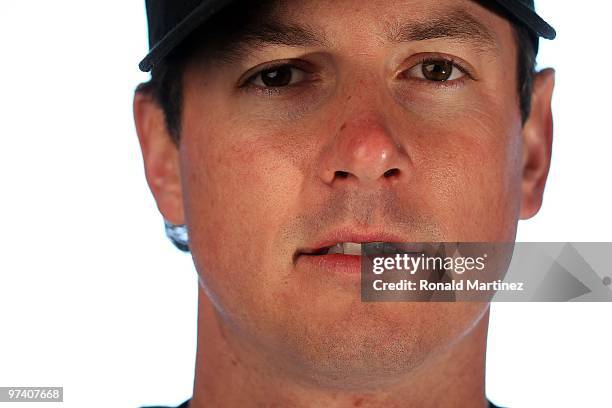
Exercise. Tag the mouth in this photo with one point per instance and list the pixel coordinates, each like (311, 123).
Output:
(343, 251)
(342, 258)
(362, 248)
(344, 248)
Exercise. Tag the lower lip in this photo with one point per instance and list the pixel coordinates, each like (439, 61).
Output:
(334, 263)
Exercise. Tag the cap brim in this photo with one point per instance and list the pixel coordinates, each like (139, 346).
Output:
(208, 8)
(528, 17)
(204, 11)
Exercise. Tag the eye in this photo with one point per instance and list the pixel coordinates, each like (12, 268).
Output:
(277, 77)
(439, 70)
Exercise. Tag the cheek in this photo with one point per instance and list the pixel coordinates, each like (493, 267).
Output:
(240, 187)
(235, 185)
(470, 167)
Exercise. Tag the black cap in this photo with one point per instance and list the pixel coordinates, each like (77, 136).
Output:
(171, 21)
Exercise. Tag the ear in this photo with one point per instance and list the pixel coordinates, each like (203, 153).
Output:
(161, 157)
(537, 144)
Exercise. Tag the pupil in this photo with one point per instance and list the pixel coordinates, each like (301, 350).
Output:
(276, 77)
(437, 70)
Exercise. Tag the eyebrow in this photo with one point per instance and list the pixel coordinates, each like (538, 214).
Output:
(457, 25)
(267, 33)
(279, 33)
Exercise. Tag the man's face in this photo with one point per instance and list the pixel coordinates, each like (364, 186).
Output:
(353, 139)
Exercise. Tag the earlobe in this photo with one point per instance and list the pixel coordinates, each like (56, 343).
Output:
(537, 144)
(160, 156)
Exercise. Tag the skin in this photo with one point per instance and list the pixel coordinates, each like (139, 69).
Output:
(255, 178)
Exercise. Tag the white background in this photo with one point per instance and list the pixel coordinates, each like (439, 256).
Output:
(95, 299)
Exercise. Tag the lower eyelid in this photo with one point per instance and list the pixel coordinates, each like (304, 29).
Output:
(442, 85)
(288, 90)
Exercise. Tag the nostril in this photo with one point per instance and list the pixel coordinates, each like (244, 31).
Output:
(341, 174)
(391, 173)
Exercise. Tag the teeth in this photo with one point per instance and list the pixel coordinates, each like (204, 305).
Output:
(347, 248)
(351, 248)
(336, 249)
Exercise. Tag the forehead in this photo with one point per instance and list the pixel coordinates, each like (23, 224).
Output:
(241, 28)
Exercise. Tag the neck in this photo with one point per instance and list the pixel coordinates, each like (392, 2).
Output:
(230, 375)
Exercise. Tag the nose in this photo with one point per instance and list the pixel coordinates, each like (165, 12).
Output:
(364, 151)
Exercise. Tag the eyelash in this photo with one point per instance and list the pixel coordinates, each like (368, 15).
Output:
(271, 91)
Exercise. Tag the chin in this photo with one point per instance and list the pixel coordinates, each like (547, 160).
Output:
(373, 344)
